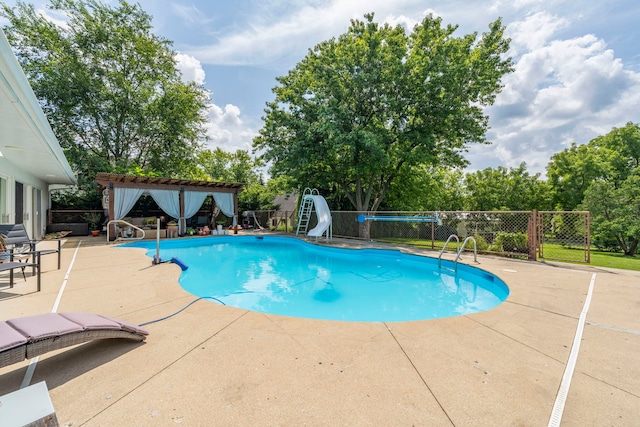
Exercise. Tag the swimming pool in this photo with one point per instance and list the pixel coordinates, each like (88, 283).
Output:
(290, 277)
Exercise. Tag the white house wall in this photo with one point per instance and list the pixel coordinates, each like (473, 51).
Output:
(33, 219)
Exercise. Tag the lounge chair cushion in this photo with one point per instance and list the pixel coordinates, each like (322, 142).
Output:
(43, 326)
(10, 338)
(31, 336)
(90, 321)
(126, 326)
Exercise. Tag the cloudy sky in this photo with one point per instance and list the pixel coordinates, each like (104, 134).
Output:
(577, 62)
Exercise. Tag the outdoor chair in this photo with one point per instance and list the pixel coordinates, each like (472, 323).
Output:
(13, 265)
(10, 262)
(28, 337)
(17, 237)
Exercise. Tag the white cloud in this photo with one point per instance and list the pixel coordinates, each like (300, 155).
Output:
(561, 91)
(533, 32)
(404, 21)
(190, 68)
(191, 15)
(267, 40)
(230, 115)
(226, 130)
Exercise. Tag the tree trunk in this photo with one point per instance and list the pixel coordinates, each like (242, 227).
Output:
(364, 230)
(631, 249)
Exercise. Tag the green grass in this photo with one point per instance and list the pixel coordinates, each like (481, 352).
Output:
(598, 258)
(552, 252)
(615, 260)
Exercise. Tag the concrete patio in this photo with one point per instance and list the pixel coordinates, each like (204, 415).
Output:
(213, 365)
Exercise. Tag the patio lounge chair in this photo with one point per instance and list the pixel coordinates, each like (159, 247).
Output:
(31, 336)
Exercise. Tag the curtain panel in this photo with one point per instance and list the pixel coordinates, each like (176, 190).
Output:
(124, 199)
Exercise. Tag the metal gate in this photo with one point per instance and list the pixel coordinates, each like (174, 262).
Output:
(563, 236)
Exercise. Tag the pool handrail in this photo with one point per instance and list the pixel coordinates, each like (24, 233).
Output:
(445, 247)
(117, 221)
(475, 251)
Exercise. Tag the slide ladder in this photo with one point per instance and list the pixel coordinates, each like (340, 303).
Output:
(312, 200)
(306, 207)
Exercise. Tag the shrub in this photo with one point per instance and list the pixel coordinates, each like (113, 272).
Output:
(510, 242)
(481, 243)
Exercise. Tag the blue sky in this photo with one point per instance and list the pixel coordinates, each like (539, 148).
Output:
(577, 62)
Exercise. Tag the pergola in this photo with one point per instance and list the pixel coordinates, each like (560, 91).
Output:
(180, 198)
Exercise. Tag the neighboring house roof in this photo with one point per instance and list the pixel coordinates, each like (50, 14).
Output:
(287, 203)
(26, 138)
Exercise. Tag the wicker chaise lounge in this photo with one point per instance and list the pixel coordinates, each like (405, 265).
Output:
(31, 336)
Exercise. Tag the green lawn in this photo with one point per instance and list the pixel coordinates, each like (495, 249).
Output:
(552, 252)
(598, 258)
(615, 260)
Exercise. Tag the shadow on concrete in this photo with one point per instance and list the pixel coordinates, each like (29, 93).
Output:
(60, 368)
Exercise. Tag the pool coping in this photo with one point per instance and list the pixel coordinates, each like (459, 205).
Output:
(500, 367)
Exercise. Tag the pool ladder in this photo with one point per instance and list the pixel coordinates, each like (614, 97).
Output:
(458, 251)
(306, 208)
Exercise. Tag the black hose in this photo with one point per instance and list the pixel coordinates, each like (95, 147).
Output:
(181, 310)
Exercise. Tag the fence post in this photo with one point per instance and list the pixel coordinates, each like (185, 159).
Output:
(588, 234)
(532, 230)
(433, 235)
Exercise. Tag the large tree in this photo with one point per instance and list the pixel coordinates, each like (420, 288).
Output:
(110, 87)
(425, 188)
(240, 167)
(607, 158)
(506, 189)
(620, 148)
(615, 212)
(603, 177)
(571, 171)
(359, 109)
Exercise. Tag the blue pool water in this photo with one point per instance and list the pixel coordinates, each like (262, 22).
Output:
(290, 277)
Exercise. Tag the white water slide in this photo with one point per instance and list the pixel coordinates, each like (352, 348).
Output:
(315, 202)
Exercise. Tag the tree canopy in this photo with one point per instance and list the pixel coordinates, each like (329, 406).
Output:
(110, 88)
(424, 188)
(620, 149)
(359, 109)
(615, 213)
(611, 191)
(570, 173)
(230, 167)
(505, 189)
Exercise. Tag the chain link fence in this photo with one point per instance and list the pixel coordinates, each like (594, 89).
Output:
(532, 235)
(504, 233)
(550, 235)
(564, 236)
